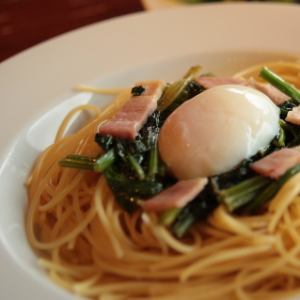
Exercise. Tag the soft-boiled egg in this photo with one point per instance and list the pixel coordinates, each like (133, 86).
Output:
(213, 132)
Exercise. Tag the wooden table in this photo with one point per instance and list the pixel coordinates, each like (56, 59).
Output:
(24, 23)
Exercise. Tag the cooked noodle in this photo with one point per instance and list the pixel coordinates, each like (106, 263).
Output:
(93, 248)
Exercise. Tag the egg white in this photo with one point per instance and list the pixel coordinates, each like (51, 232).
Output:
(213, 132)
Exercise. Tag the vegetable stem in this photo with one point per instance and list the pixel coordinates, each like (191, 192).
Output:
(180, 228)
(269, 192)
(174, 90)
(104, 161)
(195, 211)
(78, 162)
(242, 193)
(153, 162)
(280, 83)
(88, 163)
(169, 216)
(136, 167)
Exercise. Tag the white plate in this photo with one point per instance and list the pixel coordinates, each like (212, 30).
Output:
(113, 53)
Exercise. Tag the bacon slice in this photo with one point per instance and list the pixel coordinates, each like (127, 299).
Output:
(129, 120)
(272, 92)
(211, 81)
(277, 163)
(293, 116)
(175, 196)
(152, 87)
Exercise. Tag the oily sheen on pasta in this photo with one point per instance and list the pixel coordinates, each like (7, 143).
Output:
(93, 248)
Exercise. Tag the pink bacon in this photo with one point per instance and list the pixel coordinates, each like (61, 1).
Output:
(129, 120)
(277, 163)
(273, 93)
(175, 196)
(293, 116)
(211, 81)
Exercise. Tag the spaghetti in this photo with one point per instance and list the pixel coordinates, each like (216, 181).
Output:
(93, 248)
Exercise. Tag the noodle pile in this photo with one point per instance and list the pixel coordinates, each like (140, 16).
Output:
(91, 247)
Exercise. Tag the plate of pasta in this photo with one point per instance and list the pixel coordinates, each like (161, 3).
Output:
(162, 164)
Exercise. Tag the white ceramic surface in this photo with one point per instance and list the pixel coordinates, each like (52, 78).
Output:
(35, 93)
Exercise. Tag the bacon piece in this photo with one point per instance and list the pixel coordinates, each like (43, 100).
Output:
(129, 120)
(293, 116)
(211, 81)
(175, 196)
(152, 87)
(277, 163)
(272, 92)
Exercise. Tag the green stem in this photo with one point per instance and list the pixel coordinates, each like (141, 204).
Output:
(136, 167)
(242, 193)
(173, 91)
(277, 81)
(78, 162)
(270, 191)
(279, 141)
(180, 228)
(104, 161)
(88, 163)
(153, 162)
(169, 216)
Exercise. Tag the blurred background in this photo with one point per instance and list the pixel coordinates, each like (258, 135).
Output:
(24, 23)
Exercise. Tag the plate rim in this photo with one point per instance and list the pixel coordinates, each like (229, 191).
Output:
(10, 65)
